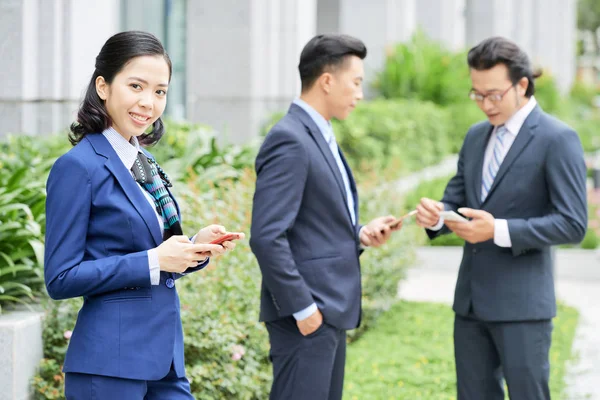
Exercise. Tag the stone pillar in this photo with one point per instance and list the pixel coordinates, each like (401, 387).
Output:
(50, 48)
(378, 23)
(20, 352)
(242, 59)
(444, 21)
(545, 29)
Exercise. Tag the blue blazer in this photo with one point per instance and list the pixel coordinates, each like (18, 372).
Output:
(540, 189)
(302, 232)
(99, 227)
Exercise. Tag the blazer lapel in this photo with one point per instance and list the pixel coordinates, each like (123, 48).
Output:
(325, 150)
(352, 184)
(128, 184)
(521, 141)
(479, 153)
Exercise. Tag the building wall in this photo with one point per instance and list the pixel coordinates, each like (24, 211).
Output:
(238, 58)
(51, 46)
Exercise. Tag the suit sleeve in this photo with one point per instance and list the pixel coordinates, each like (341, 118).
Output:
(567, 222)
(68, 269)
(454, 195)
(281, 169)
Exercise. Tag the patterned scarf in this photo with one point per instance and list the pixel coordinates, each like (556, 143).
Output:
(152, 178)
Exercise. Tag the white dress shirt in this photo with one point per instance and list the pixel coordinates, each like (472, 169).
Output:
(127, 152)
(513, 126)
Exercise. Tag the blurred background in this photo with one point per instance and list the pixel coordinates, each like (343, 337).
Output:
(235, 73)
(235, 62)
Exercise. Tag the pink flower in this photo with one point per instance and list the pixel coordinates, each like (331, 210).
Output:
(238, 352)
(68, 334)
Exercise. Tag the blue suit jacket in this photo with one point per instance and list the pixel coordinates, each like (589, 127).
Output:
(540, 189)
(99, 227)
(302, 232)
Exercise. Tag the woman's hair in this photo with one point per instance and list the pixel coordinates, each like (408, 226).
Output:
(118, 50)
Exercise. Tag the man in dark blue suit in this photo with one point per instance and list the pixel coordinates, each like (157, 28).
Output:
(521, 179)
(305, 231)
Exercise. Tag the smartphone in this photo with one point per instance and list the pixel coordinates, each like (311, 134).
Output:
(453, 216)
(225, 238)
(395, 224)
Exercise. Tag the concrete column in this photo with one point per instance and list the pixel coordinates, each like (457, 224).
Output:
(379, 24)
(50, 48)
(242, 59)
(444, 21)
(545, 29)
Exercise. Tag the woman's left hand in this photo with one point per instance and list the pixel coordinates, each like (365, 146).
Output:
(212, 232)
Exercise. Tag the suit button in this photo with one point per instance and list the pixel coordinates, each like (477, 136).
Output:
(170, 283)
(474, 251)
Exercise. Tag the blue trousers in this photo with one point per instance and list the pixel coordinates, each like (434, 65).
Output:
(98, 387)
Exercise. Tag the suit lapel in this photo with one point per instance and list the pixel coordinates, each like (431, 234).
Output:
(479, 152)
(317, 136)
(352, 184)
(521, 142)
(128, 184)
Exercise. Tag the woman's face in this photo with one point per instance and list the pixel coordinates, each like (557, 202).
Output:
(137, 96)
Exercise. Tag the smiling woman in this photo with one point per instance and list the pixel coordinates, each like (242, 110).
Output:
(114, 233)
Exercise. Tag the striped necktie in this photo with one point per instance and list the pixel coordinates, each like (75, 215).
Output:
(495, 161)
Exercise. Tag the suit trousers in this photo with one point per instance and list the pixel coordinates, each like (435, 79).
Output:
(97, 387)
(306, 367)
(488, 352)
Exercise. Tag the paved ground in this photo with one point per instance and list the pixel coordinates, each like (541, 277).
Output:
(577, 284)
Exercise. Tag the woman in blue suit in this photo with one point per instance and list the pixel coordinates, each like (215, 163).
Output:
(114, 234)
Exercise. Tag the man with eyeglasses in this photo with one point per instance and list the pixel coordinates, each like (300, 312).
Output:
(521, 182)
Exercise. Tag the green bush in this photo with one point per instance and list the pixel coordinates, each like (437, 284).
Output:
(24, 165)
(192, 149)
(226, 348)
(590, 240)
(583, 94)
(423, 69)
(402, 135)
(547, 94)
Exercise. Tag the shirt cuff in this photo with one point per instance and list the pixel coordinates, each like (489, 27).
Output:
(501, 233)
(437, 226)
(307, 312)
(360, 245)
(154, 267)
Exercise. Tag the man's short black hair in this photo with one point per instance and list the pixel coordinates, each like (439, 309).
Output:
(498, 50)
(326, 52)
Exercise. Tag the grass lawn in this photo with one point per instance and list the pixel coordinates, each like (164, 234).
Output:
(409, 354)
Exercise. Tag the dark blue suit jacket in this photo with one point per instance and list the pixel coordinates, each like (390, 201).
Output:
(99, 227)
(302, 232)
(540, 189)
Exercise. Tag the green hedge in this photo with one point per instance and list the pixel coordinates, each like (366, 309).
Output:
(425, 70)
(220, 304)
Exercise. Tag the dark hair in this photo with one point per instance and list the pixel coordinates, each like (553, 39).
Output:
(498, 50)
(118, 50)
(325, 53)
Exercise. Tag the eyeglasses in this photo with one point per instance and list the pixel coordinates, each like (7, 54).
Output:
(493, 97)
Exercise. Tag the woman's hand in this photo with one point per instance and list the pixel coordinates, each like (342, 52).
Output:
(178, 253)
(213, 232)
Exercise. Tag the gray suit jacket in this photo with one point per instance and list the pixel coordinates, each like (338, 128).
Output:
(540, 189)
(302, 233)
